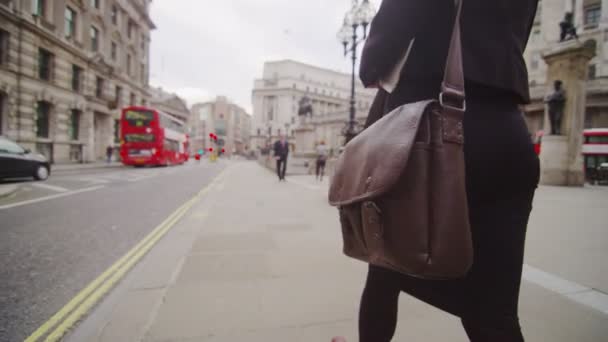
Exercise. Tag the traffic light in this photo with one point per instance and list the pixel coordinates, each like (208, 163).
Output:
(210, 149)
(223, 150)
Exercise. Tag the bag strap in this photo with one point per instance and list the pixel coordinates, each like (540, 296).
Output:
(452, 86)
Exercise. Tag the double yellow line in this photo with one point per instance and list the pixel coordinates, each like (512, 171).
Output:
(86, 299)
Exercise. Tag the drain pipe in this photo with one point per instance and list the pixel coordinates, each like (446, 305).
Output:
(19, 72)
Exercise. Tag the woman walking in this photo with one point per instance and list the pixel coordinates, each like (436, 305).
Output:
(502, 170)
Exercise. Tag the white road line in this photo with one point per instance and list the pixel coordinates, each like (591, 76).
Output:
(46, 198)
(576, 292)
(50, 187)
(92, 180)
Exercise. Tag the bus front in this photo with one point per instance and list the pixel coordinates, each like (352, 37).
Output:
(141, 137)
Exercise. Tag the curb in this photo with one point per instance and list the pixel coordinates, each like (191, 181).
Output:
(7, 190)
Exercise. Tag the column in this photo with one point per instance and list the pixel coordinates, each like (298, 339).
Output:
(88, 136)
(604, 18)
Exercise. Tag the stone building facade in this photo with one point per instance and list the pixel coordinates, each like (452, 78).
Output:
(170, 103)
(591, 21)
(277, 94)
(66, 69)
(231, 123)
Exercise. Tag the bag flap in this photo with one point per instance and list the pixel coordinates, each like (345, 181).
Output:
(372, 162)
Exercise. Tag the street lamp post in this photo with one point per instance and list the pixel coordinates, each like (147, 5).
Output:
(360, 15)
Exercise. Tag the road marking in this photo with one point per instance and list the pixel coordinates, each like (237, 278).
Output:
(46, 198)
(86, 299)
(50, 187)
(576, 292)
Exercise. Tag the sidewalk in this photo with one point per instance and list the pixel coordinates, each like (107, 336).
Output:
(258, 260)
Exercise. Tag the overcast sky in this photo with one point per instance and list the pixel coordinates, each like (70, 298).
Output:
(204, 48)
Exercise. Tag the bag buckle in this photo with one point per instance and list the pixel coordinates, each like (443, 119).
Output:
(462, 108)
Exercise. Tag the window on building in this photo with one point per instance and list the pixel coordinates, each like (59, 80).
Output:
(132, 99)
(76, 78)
(589, 118)
(259, 132)
(43, 115)
(142, 73)
(592, 16)
(114, 51)
(2, 110)
(99, 83)
(128, 64)
(592, 72)
(130, 28)
(4, 46)
(74, 124)
(117, 131)
(143, 43)
(535, 36)
(70, 22)
(39, 8)
(114, 14)
(118, 94)
(94, 39)
(45, 64)
(95, 3)
(534, 62)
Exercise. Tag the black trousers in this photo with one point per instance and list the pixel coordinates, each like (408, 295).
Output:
(320, 167)
(502, 173)
(281, 167)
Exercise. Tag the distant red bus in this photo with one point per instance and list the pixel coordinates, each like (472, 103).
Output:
(151, 137)
(595, 148)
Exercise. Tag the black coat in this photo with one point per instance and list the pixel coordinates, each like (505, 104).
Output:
(281, 150)
(494, 37)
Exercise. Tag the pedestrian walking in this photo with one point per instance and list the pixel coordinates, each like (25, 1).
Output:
(502, 170)
(109, 151)
(281, 152)
(322, 153)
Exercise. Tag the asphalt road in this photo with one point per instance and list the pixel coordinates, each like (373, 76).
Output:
(59, 235)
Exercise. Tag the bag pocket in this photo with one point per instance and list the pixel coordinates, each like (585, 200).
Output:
(352, 232)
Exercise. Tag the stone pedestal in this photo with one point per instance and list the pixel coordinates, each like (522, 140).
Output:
(560, 164)
(561, 156)
(305, 140)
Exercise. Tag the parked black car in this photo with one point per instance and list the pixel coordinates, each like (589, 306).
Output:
(18, 162)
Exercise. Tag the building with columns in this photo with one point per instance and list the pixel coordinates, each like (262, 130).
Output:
(67, 67)
(230, 122)
(277, 94)
(591, 21)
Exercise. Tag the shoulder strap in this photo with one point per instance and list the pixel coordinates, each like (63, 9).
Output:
(453, 78)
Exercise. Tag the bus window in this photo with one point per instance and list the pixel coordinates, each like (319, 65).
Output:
(598, 139)
(139, 137)
(139, 118)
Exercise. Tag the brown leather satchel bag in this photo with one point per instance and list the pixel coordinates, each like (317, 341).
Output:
(400, 184)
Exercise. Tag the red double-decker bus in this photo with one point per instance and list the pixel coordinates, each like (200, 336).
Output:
(595, 151)
(151, 137)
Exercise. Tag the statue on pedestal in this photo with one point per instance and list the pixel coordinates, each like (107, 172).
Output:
(305, 109)
(568, 31)
(556, 102)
